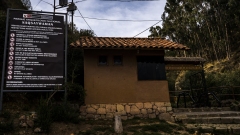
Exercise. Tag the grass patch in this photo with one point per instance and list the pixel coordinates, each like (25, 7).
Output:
(135, 121)
(49, 113)
(98, 129)
(98, 122)
(163, 126)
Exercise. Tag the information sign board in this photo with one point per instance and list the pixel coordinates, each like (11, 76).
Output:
(35, 51)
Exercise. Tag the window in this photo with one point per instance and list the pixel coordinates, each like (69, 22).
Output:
(102, 60)
(151, 68)
(117, 60)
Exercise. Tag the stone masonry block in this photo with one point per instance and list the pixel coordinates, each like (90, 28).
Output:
(139, 105)
(120, 108)
(121, 113)
(149, 111)
(147, 105)
(167, 104)
(155, 107)
(101, 111)
(159, 104)
(144, 111)
(95, 106)
(127, 108)
(91, 111)
(111, 108)
(169, 109)
(109, 116)
(134, 110)
(152, 116)
(102, 105)
(162, 109)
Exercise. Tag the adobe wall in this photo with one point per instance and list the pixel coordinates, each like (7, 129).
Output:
(119, 84)
(126, 110)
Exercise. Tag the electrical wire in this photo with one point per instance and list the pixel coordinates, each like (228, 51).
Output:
(147, 28)
(38, 3)
(85, 20)
(47, 3)
(129, 0)
(79, 1)
(102, 19)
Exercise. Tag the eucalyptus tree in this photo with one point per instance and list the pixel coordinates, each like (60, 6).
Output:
(209, 27)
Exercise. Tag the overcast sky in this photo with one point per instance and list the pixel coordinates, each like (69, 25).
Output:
(114, 10)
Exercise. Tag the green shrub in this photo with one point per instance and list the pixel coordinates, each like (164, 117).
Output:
(44, 116)
(63, 112)
(55, 112)
(76, 92)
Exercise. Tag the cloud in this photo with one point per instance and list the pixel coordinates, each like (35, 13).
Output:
(117, 11)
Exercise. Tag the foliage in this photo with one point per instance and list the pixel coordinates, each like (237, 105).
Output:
(27, 4)
(63, 112)
(209, 27)
(76, 92)
(44, 115)
(230, 78)
(75, 65)
(171, 78)
(47, 113)
(214, 79)
(163, 126)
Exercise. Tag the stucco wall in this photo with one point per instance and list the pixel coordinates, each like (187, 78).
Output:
(119, 84)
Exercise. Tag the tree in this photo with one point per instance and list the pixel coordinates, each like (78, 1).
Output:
(75, 64)
(209, 27)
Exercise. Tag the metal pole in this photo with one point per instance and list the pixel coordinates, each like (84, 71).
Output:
(54, 4)
(72, 18)
(205, 85)
(66, 41)
(4, 60)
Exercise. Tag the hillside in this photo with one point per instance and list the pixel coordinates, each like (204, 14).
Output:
(224, 65)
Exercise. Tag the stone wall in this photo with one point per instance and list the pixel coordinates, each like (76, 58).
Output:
(126, 110)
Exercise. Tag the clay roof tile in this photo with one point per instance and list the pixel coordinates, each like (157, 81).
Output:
(116, 42)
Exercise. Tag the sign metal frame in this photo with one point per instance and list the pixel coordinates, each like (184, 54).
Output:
(5, 55)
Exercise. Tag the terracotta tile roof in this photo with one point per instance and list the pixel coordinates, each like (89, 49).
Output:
(116, 42)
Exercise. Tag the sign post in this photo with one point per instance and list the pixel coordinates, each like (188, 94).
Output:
(35, 52)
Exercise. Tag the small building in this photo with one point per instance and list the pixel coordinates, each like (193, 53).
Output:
(126, 75)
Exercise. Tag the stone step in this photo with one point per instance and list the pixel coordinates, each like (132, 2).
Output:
(215, 128)
(212, 120)
(206, 114)
(202, 109)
